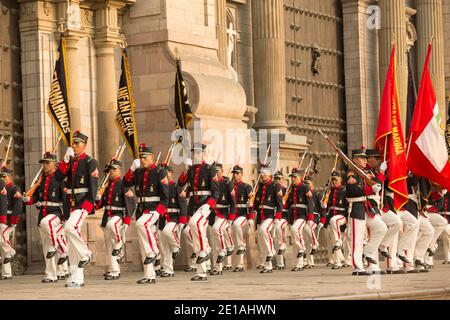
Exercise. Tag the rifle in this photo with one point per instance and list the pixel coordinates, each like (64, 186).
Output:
(105, 179)
(157, 159)
(1, 138)
(169, 154)
(326, 194)
(350, 163)
(5, 161)
(286, 195)
(307, 168)
(38, 177)
(256, 186)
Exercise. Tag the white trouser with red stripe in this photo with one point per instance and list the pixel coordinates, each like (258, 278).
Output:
(310, 241)
(77, 248)
(280, 239)
(299, 242)
(199, 225)
(266, 241)
(170, 243)
(6, 249)
(229, 243)
(337, 237)
(329, 236)
(147, 240)
(426, 233)
(48, 229)
(239, 232)
(376, 230)
(189, 245)
(62, 269)
(357, 229)
(445, 236)
(439, 224)
(390, 239)
(218, 240)
(408, 237)
(113, 240)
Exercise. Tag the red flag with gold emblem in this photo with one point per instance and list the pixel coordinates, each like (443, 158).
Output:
(390, 134)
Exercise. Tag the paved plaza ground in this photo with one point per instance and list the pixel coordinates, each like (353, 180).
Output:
(318, 283)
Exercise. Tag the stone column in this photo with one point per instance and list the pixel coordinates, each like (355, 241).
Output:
(74, 85)
(221, 30)
(430, 25)
(108, 135)
(269, 64)
(105, 41)
(393, 31)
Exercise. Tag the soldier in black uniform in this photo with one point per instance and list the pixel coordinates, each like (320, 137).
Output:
(356, 191)
(118, 203)
(280, 227)
(203, 196)
(152, 190)
(8, 220)
(81, 175)
(172, 224)
(3, 213)
(444, 211)
(48, 198)
(240, 226)
(337, 217)
(301, 209)
(224, 210)
(268, 206)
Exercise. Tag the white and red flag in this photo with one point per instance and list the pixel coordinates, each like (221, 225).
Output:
(428, 155)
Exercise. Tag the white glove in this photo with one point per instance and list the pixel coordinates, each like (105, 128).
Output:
(25, 199)
(383, 166)
(124, 228)
(98, 197)
(444, 192)
(376, 188)
(188, 163)
(324, 205)
(320, 225)
(69, 153)
(38, 204)
(136, 164)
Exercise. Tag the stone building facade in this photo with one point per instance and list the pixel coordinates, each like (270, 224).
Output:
(291, 65)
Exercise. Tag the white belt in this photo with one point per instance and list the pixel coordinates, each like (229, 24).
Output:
(50, 204)
(242, 206)
(200, 193)
(337, 208)
(304, 206)
(446, 213)
(221, 206)
(9, 212)
(114, 208)
(77, 191)
(374, 198)
(173, 210)
(266, 207)
(149, 199)
(359, 199)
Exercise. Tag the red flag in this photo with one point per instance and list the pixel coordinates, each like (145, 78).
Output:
(390, 134)
(428, 155)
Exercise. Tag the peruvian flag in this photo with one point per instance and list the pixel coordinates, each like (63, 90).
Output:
(428, 155)
(390, 135)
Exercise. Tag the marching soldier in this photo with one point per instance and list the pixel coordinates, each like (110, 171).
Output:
(224, 210)
(117, 200)
(9, 219)
(337, 217)
(268, 206)
(301, 207)
(203, 196)
(376, 228)
(173, 223)
(445, 213)
(81, 174)
(48, 198)
(316, 221)
(280, 227)
(356, 191)
(240, 226)
(152, 190)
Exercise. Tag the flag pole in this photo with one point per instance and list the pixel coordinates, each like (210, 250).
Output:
(384, 181)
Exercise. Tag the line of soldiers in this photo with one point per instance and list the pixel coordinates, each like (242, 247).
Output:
(214, 214)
